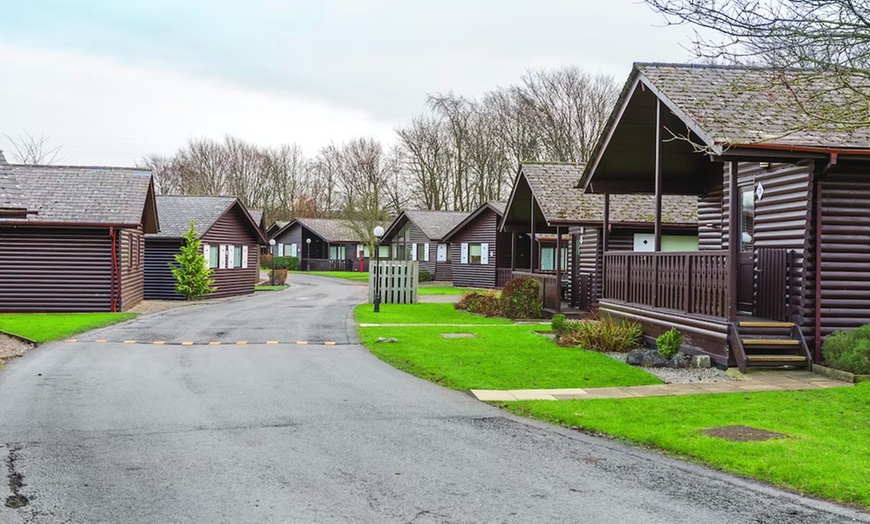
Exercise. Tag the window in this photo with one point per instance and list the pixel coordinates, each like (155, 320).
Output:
(336, 252)
(213, 257)
(474, 253)
(384, 252)
(747, 218)
(237, 256)
(400, 252)
(421, 251)
(548, 260)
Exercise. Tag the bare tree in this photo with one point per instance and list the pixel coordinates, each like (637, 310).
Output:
(33, 150)
(831, 37)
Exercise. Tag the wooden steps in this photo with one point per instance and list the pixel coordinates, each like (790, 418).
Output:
(768, 344)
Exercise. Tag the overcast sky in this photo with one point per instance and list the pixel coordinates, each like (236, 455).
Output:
(113, 81)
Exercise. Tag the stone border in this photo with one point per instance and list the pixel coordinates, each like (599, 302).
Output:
(837, 374)
(19, 337)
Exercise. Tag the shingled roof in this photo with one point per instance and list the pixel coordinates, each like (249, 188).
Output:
(11, 196)
(554, 188)
(332, 230)
(84, 195)
(745, 105)
(435, 224)
(177, 212)
(498, 207)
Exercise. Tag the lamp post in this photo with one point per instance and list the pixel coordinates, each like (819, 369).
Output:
(272, 251)
(308, 264)
(379, 232)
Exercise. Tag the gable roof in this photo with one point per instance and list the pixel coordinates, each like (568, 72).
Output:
(276, 227)
(554, 187)
(110, 196)
(178, 211)
(748, 105)
(496, 207)
(434, 224)
(257, 217)
(11, 196)
(332, 230)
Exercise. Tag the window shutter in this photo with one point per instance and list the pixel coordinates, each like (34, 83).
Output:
(484, 254)
(222, 259)
(280, 250)
(463, 257)
(231, 257)
(414, 251)
(206, 252)
(426, 252)
(294, 249)
(244, 256)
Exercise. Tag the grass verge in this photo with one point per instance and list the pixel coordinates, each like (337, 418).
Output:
(420, 314)
(356, 276)
(498, 357)
(270, 288)
(825, 453)
(445, 290)
(45, 327)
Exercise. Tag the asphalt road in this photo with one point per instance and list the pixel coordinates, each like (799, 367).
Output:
(128, 433)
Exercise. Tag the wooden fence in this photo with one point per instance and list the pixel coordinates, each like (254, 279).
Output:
(551, 289)
(396, 280)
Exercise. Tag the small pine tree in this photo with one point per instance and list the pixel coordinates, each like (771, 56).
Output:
(192, 273)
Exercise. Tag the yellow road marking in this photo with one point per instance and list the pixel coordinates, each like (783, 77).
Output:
(129, 342)
(158, 342)
(101, 340)
(187, 343)
(215, 343)
(271, 342)
(329, 343)
(302, 342)
(72, 340)
(241, 342)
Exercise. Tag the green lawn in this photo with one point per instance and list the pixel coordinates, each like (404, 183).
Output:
(270, 288)
(499, 357)
(826, 453)
(420, 314)
(445, 290)
(346, 275)
(44, 327)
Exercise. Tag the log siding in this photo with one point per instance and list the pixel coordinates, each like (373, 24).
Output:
(482, 229)
(230, 229)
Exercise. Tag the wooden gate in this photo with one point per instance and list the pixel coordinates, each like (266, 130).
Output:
(772, 268)
(396, 280)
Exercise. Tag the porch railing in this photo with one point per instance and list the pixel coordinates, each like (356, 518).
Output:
(693, 282)
(502, 275)
(550, 288)
(322, 264)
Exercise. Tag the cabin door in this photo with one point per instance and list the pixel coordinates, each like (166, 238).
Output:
(746, 273)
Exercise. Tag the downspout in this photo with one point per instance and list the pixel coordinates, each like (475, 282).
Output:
(832, 162)
(112, 295)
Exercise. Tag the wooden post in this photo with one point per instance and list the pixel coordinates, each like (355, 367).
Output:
(657, 244)
(605, 236)
(532, 240)
(559, 268)
(733, 240)
(513, 252)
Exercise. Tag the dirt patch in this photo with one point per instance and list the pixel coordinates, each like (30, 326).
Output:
(146, 307)
(457, 335)
(11, 347)
(743, 433)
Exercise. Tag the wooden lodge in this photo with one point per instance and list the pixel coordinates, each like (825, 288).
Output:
(321, 244)
(784, 213)
(548, 214)
(421, 235)
(230, 239)
(478, 248)
(71, 238)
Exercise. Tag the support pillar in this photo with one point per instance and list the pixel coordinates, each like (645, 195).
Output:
(733, 240)
(605, 237)
(559, 268)
(532, 250)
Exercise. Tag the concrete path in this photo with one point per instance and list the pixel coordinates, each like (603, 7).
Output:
(112, 432)
(438, 299)
(755, 381)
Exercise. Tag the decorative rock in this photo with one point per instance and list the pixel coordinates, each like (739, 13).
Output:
(389, 340)
(678, 362)
(634, 357)
(653, 359)
(701, 361)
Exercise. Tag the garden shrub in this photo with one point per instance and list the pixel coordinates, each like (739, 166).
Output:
(669, 343)
(266, 261)
(425, 276)
(291, 263)
(605, 335)
(192, 275)
(485, 303)
(521, 298)
(559, 323)
(848, 350)
(280, 276)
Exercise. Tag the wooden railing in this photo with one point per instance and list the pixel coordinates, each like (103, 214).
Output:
(551, 288)
(773, 267)
(502, 275)
(322, 264)
(693, 282)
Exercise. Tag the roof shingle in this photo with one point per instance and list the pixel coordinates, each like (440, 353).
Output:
(435, 224)
(333, 230)
(177, 212)
(555, 191)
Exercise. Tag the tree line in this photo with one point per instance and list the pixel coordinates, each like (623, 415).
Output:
(458, 153)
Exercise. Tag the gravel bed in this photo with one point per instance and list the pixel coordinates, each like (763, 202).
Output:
(682, 376)
(11, 347)
(156, 306)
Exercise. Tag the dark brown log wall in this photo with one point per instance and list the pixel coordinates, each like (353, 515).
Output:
(230, 230)
(55, 270)
(131, 246)
(482, 229)
(159, 280)
(710, 213)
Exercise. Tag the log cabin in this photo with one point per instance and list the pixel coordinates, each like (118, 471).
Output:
(419, 234)
(71, 238)
(784, 209)
(547, 214)
(321, 244)
(478, 248)
(230, 243)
